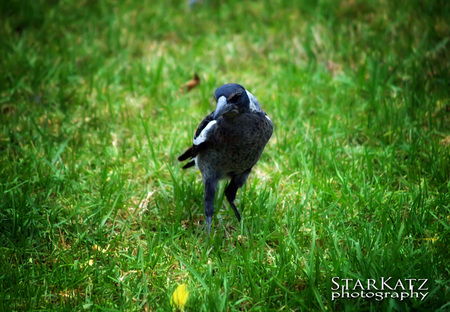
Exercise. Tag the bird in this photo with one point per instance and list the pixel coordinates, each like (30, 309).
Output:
(228, 143)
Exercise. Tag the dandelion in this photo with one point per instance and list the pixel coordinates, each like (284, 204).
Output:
(179, 297)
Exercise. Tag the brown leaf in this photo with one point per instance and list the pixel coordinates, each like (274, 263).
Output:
(188, 86)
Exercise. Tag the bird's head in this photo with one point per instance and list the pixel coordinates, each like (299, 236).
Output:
(231, 99)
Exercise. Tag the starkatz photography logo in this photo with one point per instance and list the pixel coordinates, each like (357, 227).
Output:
(379, 289)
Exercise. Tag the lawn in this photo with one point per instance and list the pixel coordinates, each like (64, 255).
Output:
(96, 213)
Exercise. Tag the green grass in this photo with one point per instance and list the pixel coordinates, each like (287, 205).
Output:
(96, 214)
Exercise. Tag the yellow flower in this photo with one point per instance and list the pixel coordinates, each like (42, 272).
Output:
(179, 297)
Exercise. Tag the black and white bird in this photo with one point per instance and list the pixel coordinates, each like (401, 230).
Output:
(228, 143)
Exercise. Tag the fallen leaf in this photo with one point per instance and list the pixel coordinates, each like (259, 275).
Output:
(188, 86)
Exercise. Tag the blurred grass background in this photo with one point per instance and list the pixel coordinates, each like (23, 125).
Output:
(95, 213)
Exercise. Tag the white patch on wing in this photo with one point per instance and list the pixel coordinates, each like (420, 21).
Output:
(254, 104)
(268, 118)
(204, 134)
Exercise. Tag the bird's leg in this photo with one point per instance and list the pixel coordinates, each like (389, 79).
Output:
(230, 193)
(210, 192)
(232, 188)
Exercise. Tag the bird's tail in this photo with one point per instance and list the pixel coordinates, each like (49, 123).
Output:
(190, 164)
(188, 154)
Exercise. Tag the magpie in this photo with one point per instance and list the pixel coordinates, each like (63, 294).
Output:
(228, 143)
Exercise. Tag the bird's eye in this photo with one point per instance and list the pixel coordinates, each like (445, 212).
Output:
(234, 97)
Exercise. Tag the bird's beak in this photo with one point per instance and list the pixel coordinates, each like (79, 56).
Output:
(222, 107)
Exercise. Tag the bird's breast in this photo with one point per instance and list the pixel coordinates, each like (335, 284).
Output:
(236, 144)
(244, 130)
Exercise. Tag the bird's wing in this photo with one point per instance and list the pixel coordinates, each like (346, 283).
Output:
(204, 125)
(203, 132)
